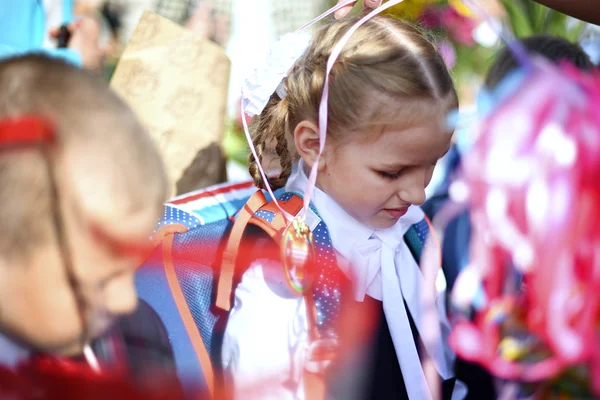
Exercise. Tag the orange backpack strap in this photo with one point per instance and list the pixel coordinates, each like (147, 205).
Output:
(186, 315)
(314, 385)
(167, 230)
(278, 223)
(274, 229)
(225, 285)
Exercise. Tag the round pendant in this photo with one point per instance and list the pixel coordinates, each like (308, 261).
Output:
(298, 254)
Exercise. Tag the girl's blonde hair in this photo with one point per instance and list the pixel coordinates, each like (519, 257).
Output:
(385, 62)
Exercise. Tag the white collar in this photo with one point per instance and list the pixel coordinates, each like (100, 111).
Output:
(11, 353)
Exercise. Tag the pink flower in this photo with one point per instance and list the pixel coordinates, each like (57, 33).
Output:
(459, 27)
(430, 18)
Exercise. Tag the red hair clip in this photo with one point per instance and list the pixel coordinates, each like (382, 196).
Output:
(25, 130)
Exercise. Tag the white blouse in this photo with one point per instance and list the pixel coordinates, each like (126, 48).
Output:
(266, 338)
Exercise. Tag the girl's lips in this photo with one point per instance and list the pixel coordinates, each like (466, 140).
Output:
(396, 212)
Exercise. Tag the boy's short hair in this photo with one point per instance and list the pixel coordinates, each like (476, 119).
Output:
(553, 48)
(91, 121)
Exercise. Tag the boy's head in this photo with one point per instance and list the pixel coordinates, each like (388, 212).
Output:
(554, 49)
(389, 94)
(110, 186)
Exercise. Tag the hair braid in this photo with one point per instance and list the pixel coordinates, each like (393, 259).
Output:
(270, 128)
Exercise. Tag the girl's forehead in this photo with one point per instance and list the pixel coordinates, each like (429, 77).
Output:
(425, 141)
(408, 111)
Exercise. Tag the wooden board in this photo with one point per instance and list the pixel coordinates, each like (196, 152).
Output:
(177, 84)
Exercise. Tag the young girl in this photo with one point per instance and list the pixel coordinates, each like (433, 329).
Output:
(389, 96)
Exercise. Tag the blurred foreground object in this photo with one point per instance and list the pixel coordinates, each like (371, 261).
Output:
(48, 379)
(177, 85)
(74, 158)
(531, 183)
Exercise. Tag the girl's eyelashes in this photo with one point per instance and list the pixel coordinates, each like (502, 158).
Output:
(390, 175)
(396, 174)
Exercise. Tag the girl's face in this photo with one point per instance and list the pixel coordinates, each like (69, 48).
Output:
(376, 178)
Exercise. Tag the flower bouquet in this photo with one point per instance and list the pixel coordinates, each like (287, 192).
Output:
(529, 299)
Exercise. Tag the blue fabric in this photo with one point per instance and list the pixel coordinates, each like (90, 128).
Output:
(456, 247)
(67, 11)
(197, 258)
(11, 353)
(23, 25)
(266, 215)
(153, 287)
(415, 238)
(327, 286)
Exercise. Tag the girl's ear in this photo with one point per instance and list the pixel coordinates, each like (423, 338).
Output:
(306, 139)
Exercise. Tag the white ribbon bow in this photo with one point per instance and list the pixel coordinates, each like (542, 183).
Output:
(387, 271)
(258, 88)
(367, 272)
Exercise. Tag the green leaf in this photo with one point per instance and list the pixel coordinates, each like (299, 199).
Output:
(538, 14)
(517, 18)
(574, 34)
(555, 23)
(234, 143)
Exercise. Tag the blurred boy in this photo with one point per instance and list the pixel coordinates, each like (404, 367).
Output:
(75, 214)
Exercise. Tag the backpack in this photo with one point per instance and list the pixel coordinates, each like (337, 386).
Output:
(190, 277)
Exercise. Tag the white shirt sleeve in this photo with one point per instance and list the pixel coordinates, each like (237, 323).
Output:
(265, 339)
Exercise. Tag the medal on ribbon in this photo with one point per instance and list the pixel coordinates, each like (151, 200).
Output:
(298, 254)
